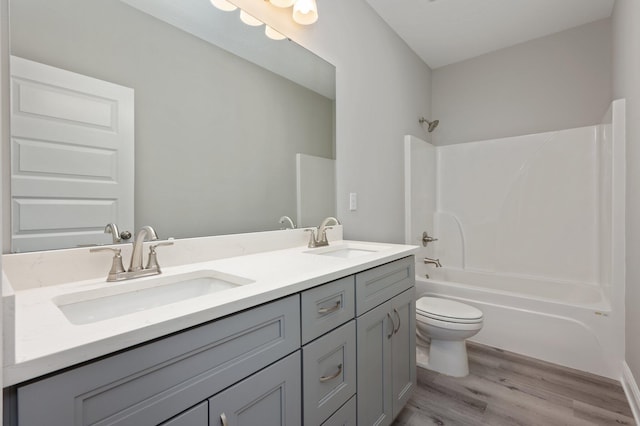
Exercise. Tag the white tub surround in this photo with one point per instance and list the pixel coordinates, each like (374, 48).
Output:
(531, 230)
(279, 264)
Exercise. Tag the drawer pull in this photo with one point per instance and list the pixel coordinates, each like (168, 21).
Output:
(393, 326)
(223, 419)
(324, 311)
(333, 376)
(395, 311)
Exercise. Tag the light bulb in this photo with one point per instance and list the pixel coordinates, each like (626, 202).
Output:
(224, 5)
(249, 20)
(305, 12)
(282, 3)
(273, 34)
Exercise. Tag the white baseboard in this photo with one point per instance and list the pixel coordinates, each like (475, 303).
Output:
(631, 389)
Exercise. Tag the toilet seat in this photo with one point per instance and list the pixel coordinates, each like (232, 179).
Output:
(445, 310)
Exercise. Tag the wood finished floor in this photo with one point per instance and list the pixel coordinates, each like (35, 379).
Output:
(504, 388)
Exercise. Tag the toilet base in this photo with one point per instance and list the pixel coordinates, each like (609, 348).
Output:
(422, 357)
(445, 357)
(449, 357)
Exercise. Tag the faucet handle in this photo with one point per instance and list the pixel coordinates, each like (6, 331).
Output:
(116, 265)
(153, 258)
(152, 247)
(323, 236)
(426, 239)
(312, 237)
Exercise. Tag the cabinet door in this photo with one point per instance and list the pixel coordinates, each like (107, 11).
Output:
(374, 333)
(195, 416)
(270, 397)
(403, 349)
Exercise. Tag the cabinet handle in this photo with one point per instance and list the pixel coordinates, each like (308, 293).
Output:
(223, 419)
(324, 311)
(395, 330)
(393, 326)
(333, 376)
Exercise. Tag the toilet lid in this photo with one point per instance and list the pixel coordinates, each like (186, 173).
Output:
(447, 310)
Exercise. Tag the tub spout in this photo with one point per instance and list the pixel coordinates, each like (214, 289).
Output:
(435, 262)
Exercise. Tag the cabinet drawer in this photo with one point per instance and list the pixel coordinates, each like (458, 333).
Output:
(152, 383)
(377, 285)
(195, 416)
(328, 373)
(345, 416)
(268, 398)
(326, 307)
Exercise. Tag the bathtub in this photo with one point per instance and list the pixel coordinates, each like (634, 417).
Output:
(565, 323)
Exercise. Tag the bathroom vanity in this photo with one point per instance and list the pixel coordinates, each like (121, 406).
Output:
(332, 343)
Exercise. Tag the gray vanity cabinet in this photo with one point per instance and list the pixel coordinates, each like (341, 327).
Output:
(345, 416)
(339, 354)
(329, 373)
(403, 349)
(154, 382)
(329, 354)
(195, 416)
(386, 342)
(325, 307)
(270, 397)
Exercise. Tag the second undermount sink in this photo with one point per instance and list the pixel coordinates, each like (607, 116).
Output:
(346, 251)
(90, 306)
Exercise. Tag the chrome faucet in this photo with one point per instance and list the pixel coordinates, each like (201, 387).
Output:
(318, 237)
(143, 234)
(286, 220)
(112, 229)
(322, 230)
(435, 262)
(118, 273)
(116, 236)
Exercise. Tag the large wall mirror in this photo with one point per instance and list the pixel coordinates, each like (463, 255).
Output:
(225, 119)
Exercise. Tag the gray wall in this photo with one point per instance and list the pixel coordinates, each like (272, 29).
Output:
(216, 136)
(626, 84)
(554, 82)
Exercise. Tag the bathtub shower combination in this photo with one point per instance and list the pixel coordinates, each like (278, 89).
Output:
(531, 231)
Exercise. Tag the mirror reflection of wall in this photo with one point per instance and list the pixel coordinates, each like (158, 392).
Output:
(216, 136)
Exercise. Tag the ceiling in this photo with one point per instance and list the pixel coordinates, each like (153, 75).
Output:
(443, 32)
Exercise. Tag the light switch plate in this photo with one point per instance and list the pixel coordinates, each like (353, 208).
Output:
(353, 201)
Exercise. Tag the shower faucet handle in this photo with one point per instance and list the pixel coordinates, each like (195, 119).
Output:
(426, 239)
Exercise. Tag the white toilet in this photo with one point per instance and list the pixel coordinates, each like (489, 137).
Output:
(446, 324)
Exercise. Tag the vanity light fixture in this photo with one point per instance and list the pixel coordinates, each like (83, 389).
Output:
(224, 5)
(305, 12)
(282, 3)
(249, 20)
(273, 34)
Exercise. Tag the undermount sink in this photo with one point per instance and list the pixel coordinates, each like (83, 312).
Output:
(90, 306)
(346, 251)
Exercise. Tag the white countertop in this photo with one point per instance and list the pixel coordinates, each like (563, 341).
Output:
(45, 341)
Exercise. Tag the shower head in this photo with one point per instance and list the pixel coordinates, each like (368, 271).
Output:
(431, 124)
